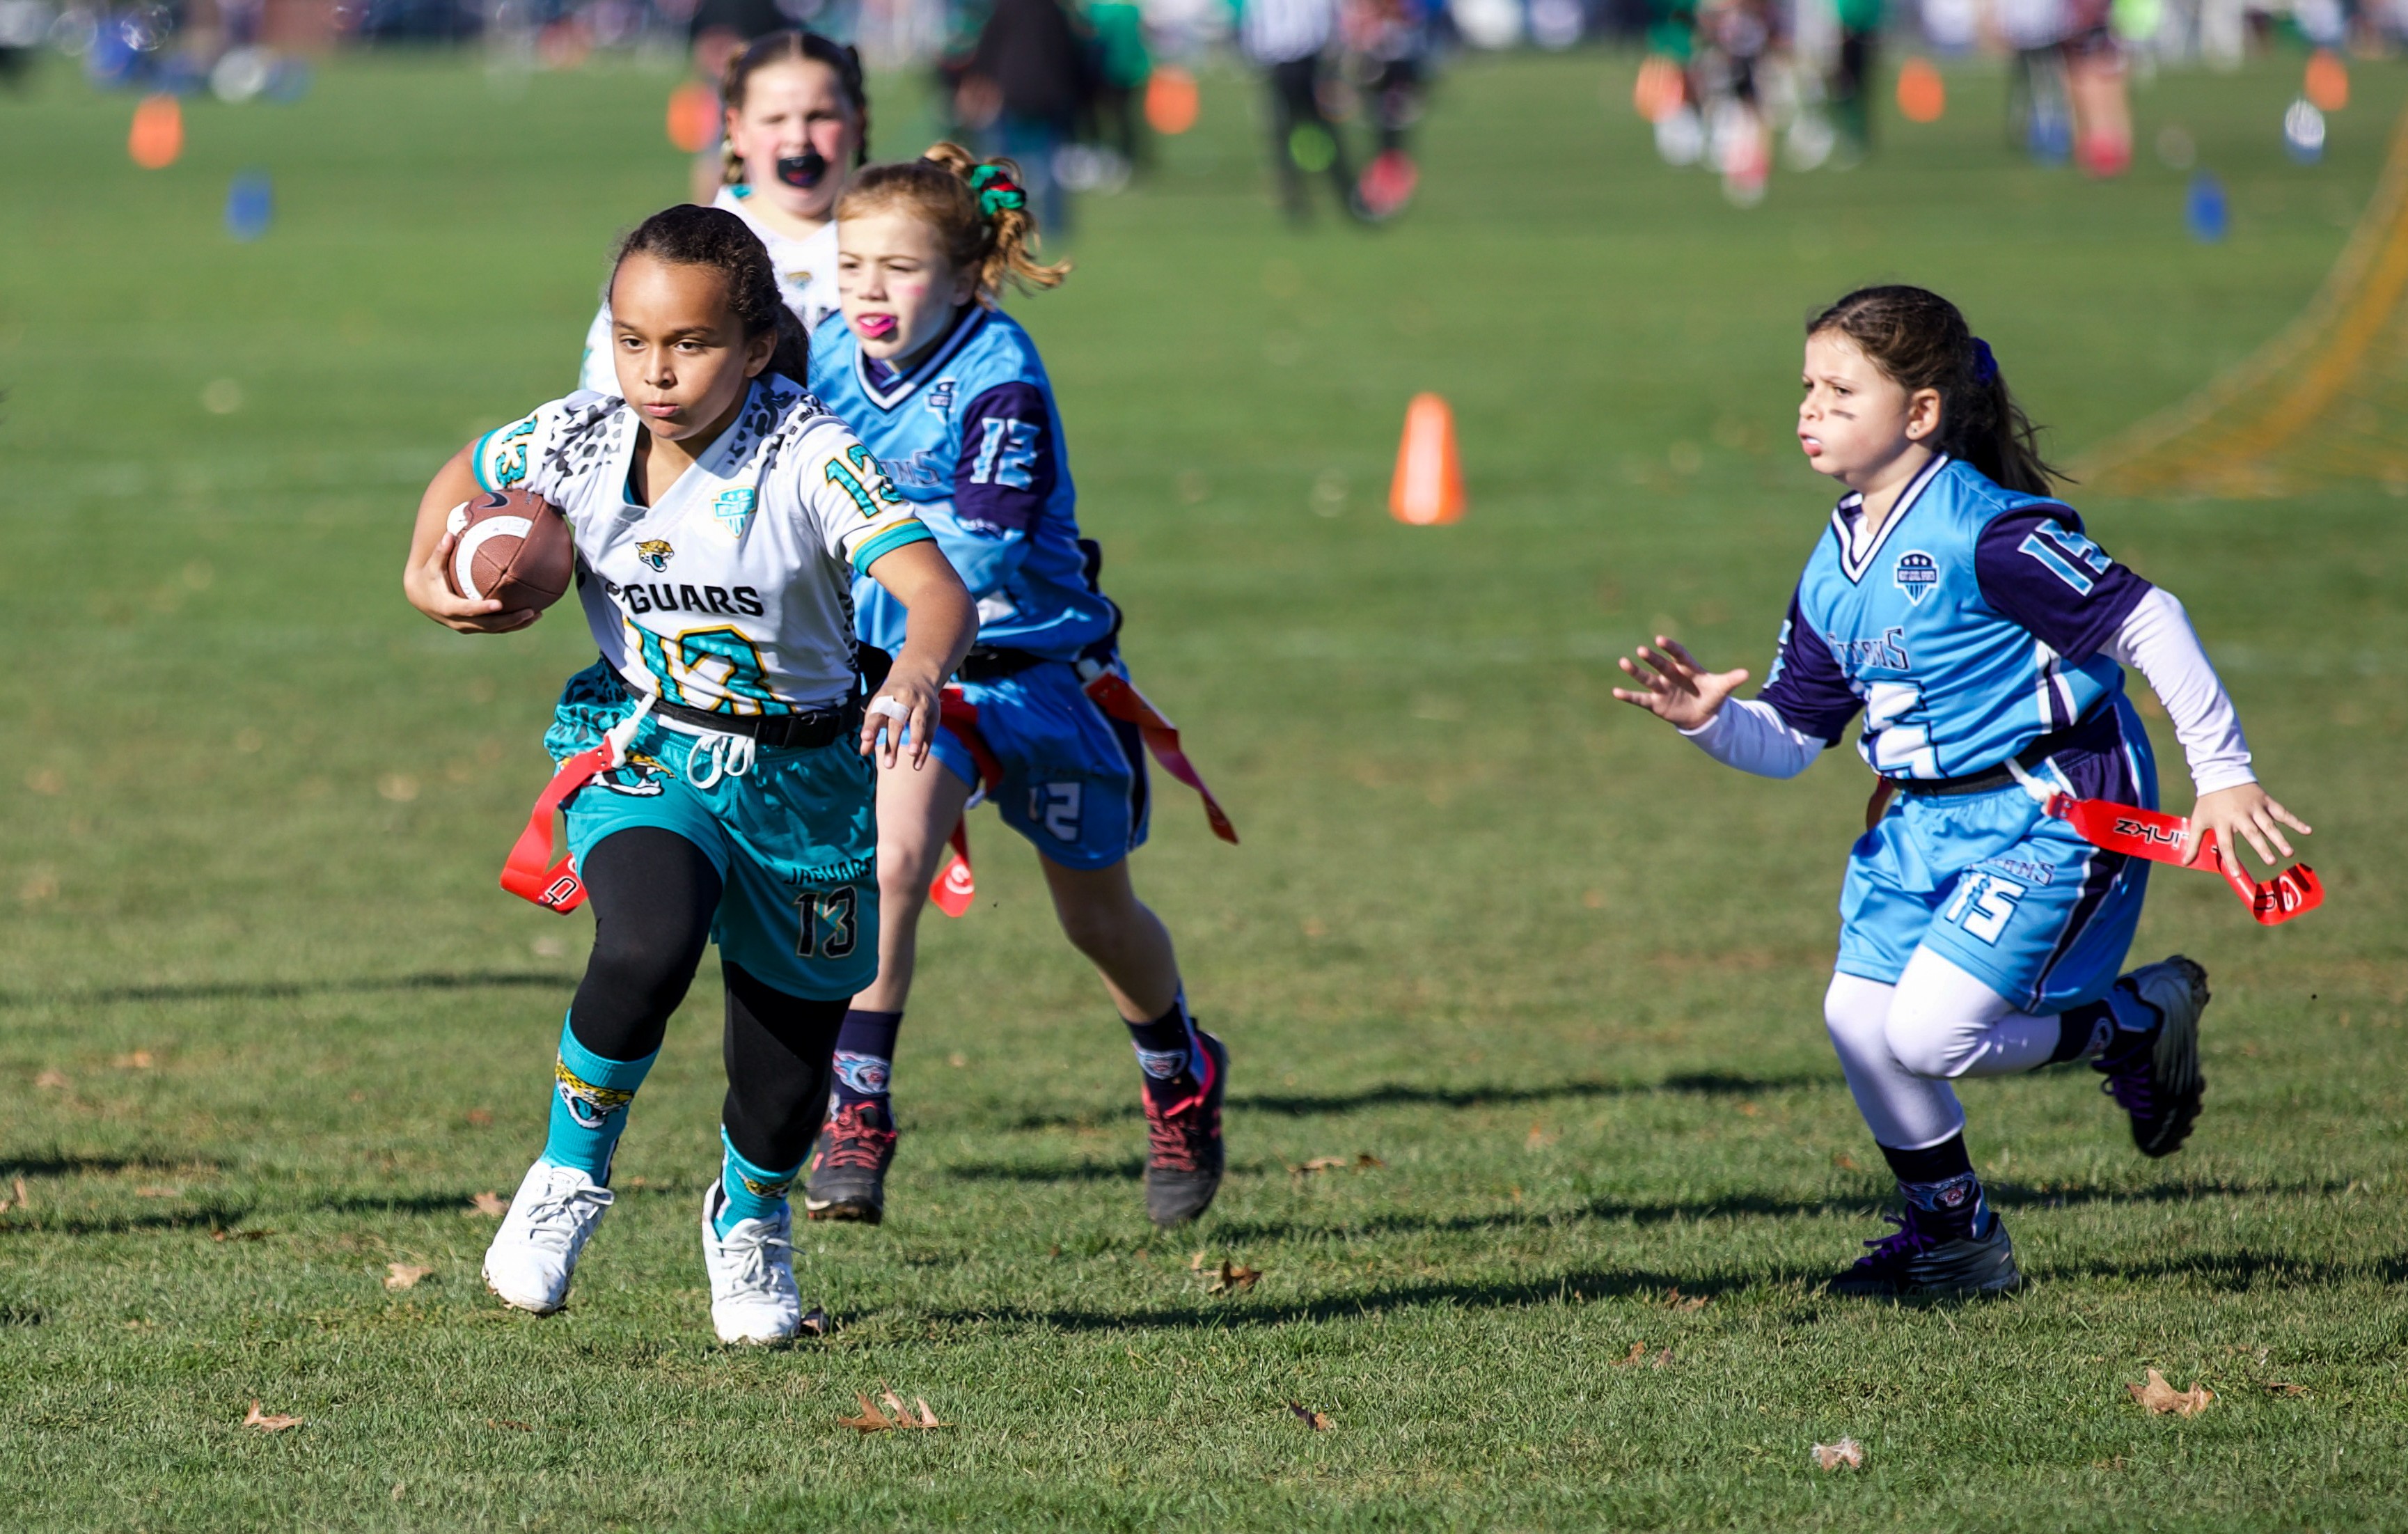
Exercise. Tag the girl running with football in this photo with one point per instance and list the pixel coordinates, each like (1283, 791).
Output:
(1962, 607)
(719, 516)
(950, 393)
(796, 127)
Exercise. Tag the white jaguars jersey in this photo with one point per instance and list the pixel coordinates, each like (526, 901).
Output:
(733, 591)
(806, 280)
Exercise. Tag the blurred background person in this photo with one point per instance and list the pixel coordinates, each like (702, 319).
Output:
(715, 34)
(1122, 66)
(2094, 87)
(1023, 92)
(1289, 41)
(1388, 46)
(795, 127)
(1851, 89)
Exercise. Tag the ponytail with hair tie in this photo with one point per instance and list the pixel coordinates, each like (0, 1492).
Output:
(997, 193)
(1986, 367)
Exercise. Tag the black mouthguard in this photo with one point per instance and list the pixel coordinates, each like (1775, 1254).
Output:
(802, 170)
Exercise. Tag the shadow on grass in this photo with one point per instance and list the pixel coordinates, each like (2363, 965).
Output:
(1205, 1314)
(197, 1217)
(1408, 1095)
(56, 1164)
(1076, 1171)
(1746, 1205)
(272, 990)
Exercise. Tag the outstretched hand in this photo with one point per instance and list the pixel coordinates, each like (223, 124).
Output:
(1677, 690)
(2243, 812)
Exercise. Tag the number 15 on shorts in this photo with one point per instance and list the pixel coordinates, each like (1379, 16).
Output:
(1984, 902)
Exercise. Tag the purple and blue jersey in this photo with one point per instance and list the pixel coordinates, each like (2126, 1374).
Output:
(971, 438)
(1973, 625)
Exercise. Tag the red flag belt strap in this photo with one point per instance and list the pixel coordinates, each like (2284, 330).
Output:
(531, 872)
(2159, 838)
(1120, 699)
(955, 886)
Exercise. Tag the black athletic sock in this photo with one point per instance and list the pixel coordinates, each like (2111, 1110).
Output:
(1169, 1052)
(1939, 1182)
(865, 1058)
(2082, 1031)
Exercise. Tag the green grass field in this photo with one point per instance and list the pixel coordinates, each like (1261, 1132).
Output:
(266, 1025)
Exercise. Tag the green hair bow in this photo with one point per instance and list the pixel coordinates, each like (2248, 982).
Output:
(996, 191)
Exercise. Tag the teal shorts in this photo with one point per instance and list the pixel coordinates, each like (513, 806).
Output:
(795, 838)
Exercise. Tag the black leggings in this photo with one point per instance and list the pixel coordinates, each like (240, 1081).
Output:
(653, 895)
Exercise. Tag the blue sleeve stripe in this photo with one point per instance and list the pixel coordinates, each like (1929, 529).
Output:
(911, 530)
(2042, 550)
(477, 461)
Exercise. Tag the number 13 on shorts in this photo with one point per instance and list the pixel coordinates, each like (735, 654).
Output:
(1984, 902)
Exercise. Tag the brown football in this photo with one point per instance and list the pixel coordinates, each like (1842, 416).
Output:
(514, 547)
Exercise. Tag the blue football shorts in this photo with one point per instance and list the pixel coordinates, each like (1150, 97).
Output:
(2007, 894)
(1074, 780)
(795, 838)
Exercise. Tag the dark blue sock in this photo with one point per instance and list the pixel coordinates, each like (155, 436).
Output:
(864, 1066)
(1939, 1182)
(2082, 1031)
(1169, 1052)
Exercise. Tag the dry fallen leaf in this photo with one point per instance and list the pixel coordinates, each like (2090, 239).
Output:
(2159, 1398)
(260, 1234)
(401, 1275)
(1317, 1421)
(1323, 1164)
(489, 1203)
(53, 1079)
(1845, 1162)
(1232, 1276)
(1847, 1453)
(138, 1060)
(480, 1116)
(1695, 1302)
(267, 1423)
(2283, 1387)
(896, 1417)
(507, 1423)
(1360, 1161)
(1638, 1356)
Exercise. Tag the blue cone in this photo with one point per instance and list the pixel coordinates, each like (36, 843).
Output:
(251, 203)
(2205, 210)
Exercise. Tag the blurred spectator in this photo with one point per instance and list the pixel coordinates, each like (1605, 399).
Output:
(1122, 67)
(1288, 39)
(717, 32)
(1851, 77)
(1025, 88)
(1389, 44)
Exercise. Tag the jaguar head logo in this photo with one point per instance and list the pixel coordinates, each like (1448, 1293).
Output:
(655, 553)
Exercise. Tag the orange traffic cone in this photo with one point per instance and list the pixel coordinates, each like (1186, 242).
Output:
(1428, 487)
(158, 132)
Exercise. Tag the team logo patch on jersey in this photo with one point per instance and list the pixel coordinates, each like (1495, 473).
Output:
(734, 510)
(940, 398)
(655, 553)
(1917, 576)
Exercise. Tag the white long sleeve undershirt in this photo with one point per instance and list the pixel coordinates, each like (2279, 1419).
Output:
(2155, 639)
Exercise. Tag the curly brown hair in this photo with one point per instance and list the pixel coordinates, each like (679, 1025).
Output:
(688, 235)
(986, 229)
(1920, 340)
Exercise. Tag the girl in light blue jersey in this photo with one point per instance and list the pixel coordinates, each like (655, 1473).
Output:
(1984, 637)
(951, 396)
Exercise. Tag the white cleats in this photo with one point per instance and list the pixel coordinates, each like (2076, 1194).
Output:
(753, 1294)
(534, 1252)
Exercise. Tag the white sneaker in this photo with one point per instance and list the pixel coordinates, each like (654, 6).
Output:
(535, 1251)
(752, 1295)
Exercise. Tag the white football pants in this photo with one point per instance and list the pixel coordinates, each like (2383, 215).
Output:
(1900, 1045)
